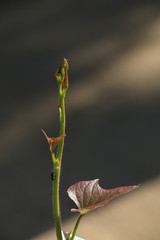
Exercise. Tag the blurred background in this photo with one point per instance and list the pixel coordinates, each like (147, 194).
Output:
(113, 114)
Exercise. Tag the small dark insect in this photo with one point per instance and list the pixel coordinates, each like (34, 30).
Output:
(52, 175)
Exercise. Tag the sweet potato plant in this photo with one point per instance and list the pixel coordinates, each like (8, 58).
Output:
(87, 195)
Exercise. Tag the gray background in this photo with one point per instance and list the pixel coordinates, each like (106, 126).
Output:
(112, 128)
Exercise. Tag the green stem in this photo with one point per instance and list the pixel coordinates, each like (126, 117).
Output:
(57, 168)
(62, 126)
(76, 227)
(56, 202)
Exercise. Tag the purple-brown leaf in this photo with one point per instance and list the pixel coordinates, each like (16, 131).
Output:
(88, 195)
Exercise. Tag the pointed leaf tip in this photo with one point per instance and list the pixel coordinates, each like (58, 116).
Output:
(88, 195)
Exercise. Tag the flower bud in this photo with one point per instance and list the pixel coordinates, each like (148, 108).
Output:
(64, 82)
(62, 74)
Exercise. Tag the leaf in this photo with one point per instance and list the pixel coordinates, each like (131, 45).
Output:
(53, 141)
(88, 195)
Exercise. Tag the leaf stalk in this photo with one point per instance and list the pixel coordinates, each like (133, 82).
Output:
(76, 227)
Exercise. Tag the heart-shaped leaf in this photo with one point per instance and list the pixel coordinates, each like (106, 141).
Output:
(88, 195)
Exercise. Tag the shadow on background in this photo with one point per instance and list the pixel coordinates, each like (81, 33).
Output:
(113, 103)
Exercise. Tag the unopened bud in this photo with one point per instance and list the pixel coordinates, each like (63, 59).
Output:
(58, 73)
(62, 74)
(64, 82)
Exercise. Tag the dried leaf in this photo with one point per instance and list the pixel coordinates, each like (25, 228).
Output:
(88, 195)
(53, 141)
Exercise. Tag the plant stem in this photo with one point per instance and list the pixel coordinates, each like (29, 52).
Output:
(57, 168)
(62, 126)
(56, 203)
(76, 227)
